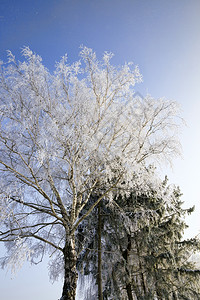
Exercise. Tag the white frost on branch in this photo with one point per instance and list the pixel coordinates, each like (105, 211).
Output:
(18, 254)
(66, 136)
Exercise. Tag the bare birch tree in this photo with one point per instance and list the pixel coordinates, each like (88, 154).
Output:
(64, 137)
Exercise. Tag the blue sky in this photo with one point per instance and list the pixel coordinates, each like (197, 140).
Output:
(161, 36)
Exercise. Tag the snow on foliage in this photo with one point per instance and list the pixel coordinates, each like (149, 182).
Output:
(18, 253)
(65, 136)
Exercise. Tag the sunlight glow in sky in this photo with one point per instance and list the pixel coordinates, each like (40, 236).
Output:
(162, 37)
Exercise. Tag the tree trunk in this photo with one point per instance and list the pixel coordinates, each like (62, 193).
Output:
(99, 277)
(129, 291)
(125, 255)
(71, 275)
(143, 284)
(159, 293)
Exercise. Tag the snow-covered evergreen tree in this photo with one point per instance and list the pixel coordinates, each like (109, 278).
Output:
(144, 255)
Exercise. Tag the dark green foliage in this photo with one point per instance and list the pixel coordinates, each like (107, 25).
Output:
(144, 256)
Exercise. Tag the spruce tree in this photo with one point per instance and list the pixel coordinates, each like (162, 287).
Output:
(143, 253)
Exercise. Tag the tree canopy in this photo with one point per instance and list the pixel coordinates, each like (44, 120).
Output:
(67, 136)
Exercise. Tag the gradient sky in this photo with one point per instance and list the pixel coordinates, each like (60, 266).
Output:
(161, 36)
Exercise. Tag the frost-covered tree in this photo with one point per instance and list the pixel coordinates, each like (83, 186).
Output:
(65, 136)
(162, 268)
(148, 257)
